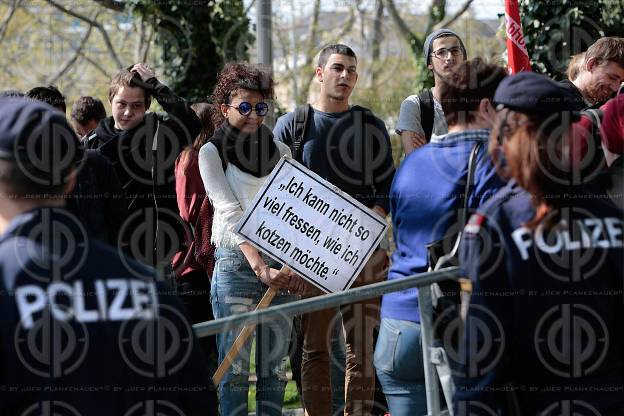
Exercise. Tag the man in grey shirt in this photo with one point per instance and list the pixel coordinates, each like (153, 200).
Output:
(444, 51)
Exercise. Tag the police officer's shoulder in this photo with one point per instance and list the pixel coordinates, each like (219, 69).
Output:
(504, 206)
(117, 262)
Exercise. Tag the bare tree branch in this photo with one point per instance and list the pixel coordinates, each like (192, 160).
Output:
(77, 53)
(95, 64)
(437, 11)
(376, 41)
(65, 39)
(7, 18)
(346, 28)
(139, 40)
(450, 20)
(148, 44)
(115, 5)
(94, 23)
(310, 52)
(246, 12)
(411, 38)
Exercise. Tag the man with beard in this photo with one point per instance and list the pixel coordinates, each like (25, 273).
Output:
(349, 147)
(601, 74)
(143, 148)
(421, 115)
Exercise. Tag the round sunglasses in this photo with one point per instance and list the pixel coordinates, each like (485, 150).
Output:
(246, 108)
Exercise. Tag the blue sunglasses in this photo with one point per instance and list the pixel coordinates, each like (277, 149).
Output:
(246, 108)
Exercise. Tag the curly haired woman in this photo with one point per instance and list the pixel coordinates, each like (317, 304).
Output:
(233, 165)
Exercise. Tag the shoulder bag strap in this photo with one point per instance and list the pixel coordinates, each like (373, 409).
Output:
(426, 113)
(300, 121)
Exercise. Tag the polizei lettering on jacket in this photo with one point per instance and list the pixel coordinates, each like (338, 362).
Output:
(583, 233)
(107, 300)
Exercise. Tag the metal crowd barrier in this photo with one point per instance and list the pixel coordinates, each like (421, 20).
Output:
(318, 303)
(432, 368)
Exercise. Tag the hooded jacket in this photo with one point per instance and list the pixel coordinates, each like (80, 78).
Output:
(144, 160)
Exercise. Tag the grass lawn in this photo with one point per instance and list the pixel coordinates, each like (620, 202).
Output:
(291, 395)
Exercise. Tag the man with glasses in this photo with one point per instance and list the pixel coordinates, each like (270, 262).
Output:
(421, 116)
(143, 147)
(350, 147)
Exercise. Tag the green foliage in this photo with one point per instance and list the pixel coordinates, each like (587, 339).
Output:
(557, 29)
(196, 39)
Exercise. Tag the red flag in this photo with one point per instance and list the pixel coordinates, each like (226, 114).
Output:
(517, 55)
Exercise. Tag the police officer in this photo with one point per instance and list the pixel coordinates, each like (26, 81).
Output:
(543, 333)
(84, 331)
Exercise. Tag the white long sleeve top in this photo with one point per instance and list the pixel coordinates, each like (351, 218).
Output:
(230, 192)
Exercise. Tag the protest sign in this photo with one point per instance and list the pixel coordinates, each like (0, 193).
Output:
(311, 226)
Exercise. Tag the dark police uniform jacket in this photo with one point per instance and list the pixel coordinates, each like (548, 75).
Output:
(544, 332)
(85, 331)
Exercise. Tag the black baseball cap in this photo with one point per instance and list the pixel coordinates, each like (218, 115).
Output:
(38, 137)
(529, 92)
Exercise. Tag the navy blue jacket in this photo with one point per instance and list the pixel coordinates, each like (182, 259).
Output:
(544, 327)
(425, 197)
(87, 331)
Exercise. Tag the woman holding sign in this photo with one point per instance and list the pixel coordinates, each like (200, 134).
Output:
(233, 165)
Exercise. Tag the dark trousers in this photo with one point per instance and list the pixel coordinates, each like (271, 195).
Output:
(194, 290)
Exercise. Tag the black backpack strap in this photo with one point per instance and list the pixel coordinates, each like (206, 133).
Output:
(472, 167)
(426, 113)
(300, 123)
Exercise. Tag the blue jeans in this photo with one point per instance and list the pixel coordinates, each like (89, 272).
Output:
(236, 289)
(399, 363)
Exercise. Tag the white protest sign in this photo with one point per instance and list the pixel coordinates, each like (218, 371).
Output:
(311, 226)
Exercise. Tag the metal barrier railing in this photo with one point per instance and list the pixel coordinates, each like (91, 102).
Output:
(318, 303)
(355, 295)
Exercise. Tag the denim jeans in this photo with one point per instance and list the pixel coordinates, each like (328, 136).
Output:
(399, 363)
(236, 289)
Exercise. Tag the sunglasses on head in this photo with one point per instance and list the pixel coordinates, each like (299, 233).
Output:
(246, 108)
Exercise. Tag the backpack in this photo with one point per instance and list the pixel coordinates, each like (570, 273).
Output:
(197, 240)
(427, 113)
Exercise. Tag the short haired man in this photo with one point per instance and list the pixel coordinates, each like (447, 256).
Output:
(350, 147)
(50, 95)
(601, 73)
(95, 314)
(86, 114)
(443, 51)
(143, 148)
(97, 197)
